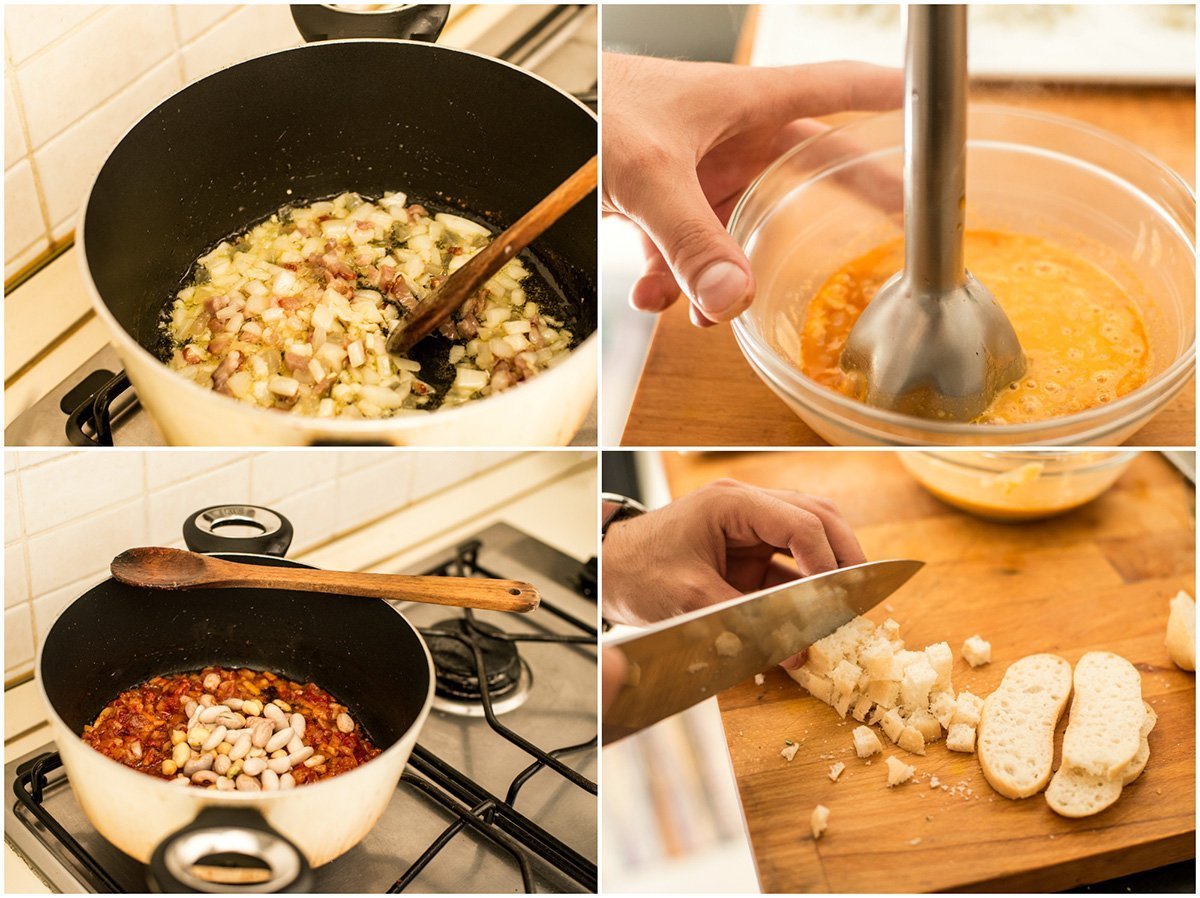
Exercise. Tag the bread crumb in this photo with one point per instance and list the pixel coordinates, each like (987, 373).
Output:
(933, 782)
(789, 749)
(759, 679)
(977, 651)
(898, 771)
(819, 820)
(889, 607)
(836, 770)
(728, 644)
(697, 667)
(916, 841)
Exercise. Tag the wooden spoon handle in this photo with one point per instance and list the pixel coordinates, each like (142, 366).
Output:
(465, 282)
(461, 592)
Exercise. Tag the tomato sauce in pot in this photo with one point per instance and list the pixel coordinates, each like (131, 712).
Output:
(230, 729)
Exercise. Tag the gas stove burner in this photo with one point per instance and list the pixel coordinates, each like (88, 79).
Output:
(457, 689)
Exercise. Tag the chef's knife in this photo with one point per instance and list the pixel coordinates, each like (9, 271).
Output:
(678, 663)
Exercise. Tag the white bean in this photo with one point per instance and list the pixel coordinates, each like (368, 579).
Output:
(262, 733)
(280, 739)
(298, 724)
(240, 748)
(232, 719)
(301, 755)
(234, 703)
(273, 713)
(204, 762)
(215, 738)
(208, 700)
(248, 784)
(270, 781)
(282, 705)
(182, 780)
(181, 753)
(287, 781)
(257, 752)
(197, 736)
(315, 761)
(251, 707)
(279, 765)
(222, 764)
(204, 776)
(345, 723)
(212, 681)
(225, 784)
(210, 715)
(295, 744)
(254, 766)
(190, 709)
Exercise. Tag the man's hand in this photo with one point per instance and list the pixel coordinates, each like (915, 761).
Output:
(682, 140)
(716, 544)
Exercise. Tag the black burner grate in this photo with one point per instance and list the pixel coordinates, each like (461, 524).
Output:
(475, 810)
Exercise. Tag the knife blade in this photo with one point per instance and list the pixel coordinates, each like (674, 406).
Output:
(683, 661)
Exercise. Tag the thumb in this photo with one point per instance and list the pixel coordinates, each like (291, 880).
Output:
(706, 261)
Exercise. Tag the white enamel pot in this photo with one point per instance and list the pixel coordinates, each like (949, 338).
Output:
(115, 637)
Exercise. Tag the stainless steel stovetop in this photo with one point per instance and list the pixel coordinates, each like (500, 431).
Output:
(555, 819)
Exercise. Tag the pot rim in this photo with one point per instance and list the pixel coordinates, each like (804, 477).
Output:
(206, 796)
(344, 429)
(864, 418)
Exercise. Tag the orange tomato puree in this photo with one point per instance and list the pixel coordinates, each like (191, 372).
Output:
(1083, 334)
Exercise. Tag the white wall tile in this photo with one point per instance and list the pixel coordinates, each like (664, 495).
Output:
(174, 466)
(18, 637)
(16, 581)
(69, 162)
(27, 458)
(169, 508)
(17, 263)
(91, 64)
(194, 18)
(78, 485)
(311, 513)
(31, 26)
(434, 471)
(10, 461)
(61, 555)
(23, 222)
(251, 31)
(48, 607)
(357, 459)
(12, 509)
(369, 493)
(14, 134)
(276, 475)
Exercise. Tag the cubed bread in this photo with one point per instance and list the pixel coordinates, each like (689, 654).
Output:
(943, 706)
(835, 770)
(819, 687)
(977, 651)
(919, 677)
(845, 678)
(819, 820)
(899, 772)
(862, 708)
(884, 692)
(878, 659)
(911, 740)
(961, 737)
(866, 743)
(967, 709)
(926, 724)
(941, 659)
(893, 723)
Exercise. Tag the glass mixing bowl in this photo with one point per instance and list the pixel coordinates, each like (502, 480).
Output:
(838, 195)
(1017, 486)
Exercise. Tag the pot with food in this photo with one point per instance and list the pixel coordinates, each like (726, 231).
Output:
(250, 282)
(267, 725)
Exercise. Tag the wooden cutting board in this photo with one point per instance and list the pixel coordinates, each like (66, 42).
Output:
(1096, 578)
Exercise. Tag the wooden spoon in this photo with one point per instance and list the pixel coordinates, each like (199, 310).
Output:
(465, 282)
(161, 568)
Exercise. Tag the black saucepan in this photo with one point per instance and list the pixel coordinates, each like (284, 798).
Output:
(452, 129)
(362, 651)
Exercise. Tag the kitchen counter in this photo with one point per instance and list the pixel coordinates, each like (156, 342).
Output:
(440, 522)
(696, 388)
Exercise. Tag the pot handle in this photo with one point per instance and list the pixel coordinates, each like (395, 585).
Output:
(414, 22)
(202, 531)
(228, 832)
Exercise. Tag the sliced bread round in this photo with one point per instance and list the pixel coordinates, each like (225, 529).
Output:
(1015, 741)
(1107, 714)
(1076, 793)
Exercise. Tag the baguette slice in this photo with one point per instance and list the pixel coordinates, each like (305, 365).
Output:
(1015, 741)
(1181, 631)
(1074, 793)
(1107, 714)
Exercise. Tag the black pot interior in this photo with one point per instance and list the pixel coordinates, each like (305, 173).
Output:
(455, 131)
(115, 637)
